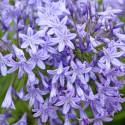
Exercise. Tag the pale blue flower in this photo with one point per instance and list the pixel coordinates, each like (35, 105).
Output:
(110, 12)
(80, 92)
(7, 13)
(111, 56)
(67, 121)
(49, 45)
(31, 40)
(56, 25)
(44, 80)
(50, 12)
(48, 15)
(79, 71)
(70, 55)
(45, 111)
(3, 68)
(45, 17)
(116, 4)
(34, 95)
(38, 58)
(59, 74)
(94, 43)
(54, 91)
(68, 101)
(20, 94)
(60, 7)
(5, 44)
(120, 36)
(64, 37)
(83, 117)
(100, 119)
(3, 119)
(22, 65)
(8, 102)
(19, 53)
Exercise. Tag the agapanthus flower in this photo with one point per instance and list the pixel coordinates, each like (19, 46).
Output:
(50, 12)
(116, 4)
(5, 44)
(57, 24)
(45, 112)
(64, 38)
(20, 94)
(67, 121)
(7, 13)
(22, 65)
(31, 40)
(63, 58)
(8, 102)
(68, 101)
(59, 74)
(38, 58)
(34, 95)
(3, 118)
(80, 71)
(110, 57)
(3, 67)
(44, 80)
(48, 45)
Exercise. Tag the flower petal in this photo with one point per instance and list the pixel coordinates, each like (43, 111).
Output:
(66, 108)
(3, 70)
(61, 46)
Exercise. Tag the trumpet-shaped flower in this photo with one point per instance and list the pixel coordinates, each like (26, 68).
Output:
(8, 102)
(79, 71)
(68, 101)
(59, 74)
(64, 38)
(38, 58)
(31, 40)
(34, 95)
(3, 67)
(111, 56)
(45, 112)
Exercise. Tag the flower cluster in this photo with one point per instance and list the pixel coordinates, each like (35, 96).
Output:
(70, 55)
